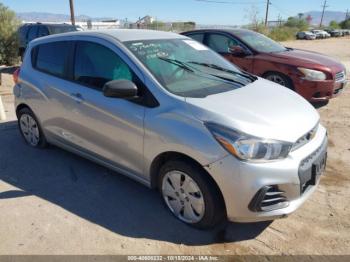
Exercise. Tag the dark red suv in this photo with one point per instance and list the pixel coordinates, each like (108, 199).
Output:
(315, 76)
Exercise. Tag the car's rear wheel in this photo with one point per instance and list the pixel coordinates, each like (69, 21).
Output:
(190, 195)
(279, 79)
(30, 128)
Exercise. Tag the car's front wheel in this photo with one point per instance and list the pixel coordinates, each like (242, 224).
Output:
(279, 79)
(30, 128)
(190, 194)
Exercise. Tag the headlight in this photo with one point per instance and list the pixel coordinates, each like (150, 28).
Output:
(312, 75)
(246, 147)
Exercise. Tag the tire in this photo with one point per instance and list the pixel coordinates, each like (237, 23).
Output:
(279, 79)
(196, 200)
(30, 129)
(21, 54)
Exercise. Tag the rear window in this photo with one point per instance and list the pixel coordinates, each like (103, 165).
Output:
(51, 58)
(59, 29)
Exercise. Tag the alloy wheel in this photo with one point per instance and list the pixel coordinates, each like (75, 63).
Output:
(277, 79)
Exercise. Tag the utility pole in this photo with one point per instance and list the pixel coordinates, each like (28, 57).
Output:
(267, 11)
(347, 16)
(72, 18)
(324, 7)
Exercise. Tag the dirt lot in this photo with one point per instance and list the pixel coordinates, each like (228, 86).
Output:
(52, 202)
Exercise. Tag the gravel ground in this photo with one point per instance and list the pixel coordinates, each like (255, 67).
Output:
(53, 202)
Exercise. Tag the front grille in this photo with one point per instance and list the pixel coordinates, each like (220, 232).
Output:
(305, 138)
(340, 76)
(268, 198)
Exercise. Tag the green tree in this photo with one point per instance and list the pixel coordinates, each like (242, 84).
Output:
(334, 24)
(8, 36)
(299, 23)
(345, 24)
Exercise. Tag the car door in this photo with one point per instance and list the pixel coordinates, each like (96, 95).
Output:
(222, 43)
(109, 129)
(43, 31)
(57, 108)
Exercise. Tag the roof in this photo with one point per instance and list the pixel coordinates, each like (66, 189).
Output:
(123, 35)
(46, 24)
(230, 31)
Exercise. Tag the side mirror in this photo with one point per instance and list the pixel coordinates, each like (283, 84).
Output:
(237, 51)
(120, 89)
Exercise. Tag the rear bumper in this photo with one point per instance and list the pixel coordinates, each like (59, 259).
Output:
(240, 182)
(319, 91)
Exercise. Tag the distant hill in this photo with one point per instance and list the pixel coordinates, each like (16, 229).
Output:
(328, 16)
(49, 17)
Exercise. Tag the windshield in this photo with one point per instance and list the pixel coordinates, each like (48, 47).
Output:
(260, 42)
(187, 68)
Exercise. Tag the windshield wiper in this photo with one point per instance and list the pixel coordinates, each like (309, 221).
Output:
(214, 66)
(177, 62)
(188, 68)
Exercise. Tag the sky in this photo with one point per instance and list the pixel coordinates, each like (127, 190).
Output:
(227, 12)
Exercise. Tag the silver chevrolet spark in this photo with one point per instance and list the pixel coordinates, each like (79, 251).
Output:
(217, 142)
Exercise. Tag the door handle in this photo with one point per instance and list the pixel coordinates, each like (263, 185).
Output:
(77, 97)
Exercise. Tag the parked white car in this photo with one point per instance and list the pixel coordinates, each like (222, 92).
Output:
(306, 35)
(321, 34)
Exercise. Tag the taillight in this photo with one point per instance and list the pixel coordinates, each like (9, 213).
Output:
(16, 75)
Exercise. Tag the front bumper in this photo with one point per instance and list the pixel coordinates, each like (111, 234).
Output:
(240, 181)
(318, 91)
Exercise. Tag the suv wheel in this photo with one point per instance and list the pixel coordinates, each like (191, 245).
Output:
(30, 128)
(190, 195)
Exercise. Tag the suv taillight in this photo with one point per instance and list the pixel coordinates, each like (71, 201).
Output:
(16, 75)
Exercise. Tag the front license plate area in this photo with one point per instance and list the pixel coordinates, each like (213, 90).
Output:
(318, 168)
(312, 167)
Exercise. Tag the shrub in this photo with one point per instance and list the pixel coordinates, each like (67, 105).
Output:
(8, 36)
(283, 33)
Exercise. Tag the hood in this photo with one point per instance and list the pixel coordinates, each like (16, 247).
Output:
(262, 109)
(310, 59)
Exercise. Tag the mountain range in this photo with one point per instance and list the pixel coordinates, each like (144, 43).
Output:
(50, 17)
(328, 16)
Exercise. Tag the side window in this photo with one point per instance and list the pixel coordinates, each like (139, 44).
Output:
(51, 58)
(43, 31)
(33, 32)
(95, 65)
(197, 37)
(221, 43)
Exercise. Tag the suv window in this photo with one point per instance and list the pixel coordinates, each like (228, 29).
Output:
(221, 43)
(33, 32)
(198, 37)
(23, 30)
(95, 65)
(51, 57)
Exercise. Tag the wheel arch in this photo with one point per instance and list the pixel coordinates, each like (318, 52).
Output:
(20, 107)
(162, 158)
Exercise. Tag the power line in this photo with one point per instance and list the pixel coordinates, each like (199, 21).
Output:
(229, 2)
(278, 8)
(324, 7)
